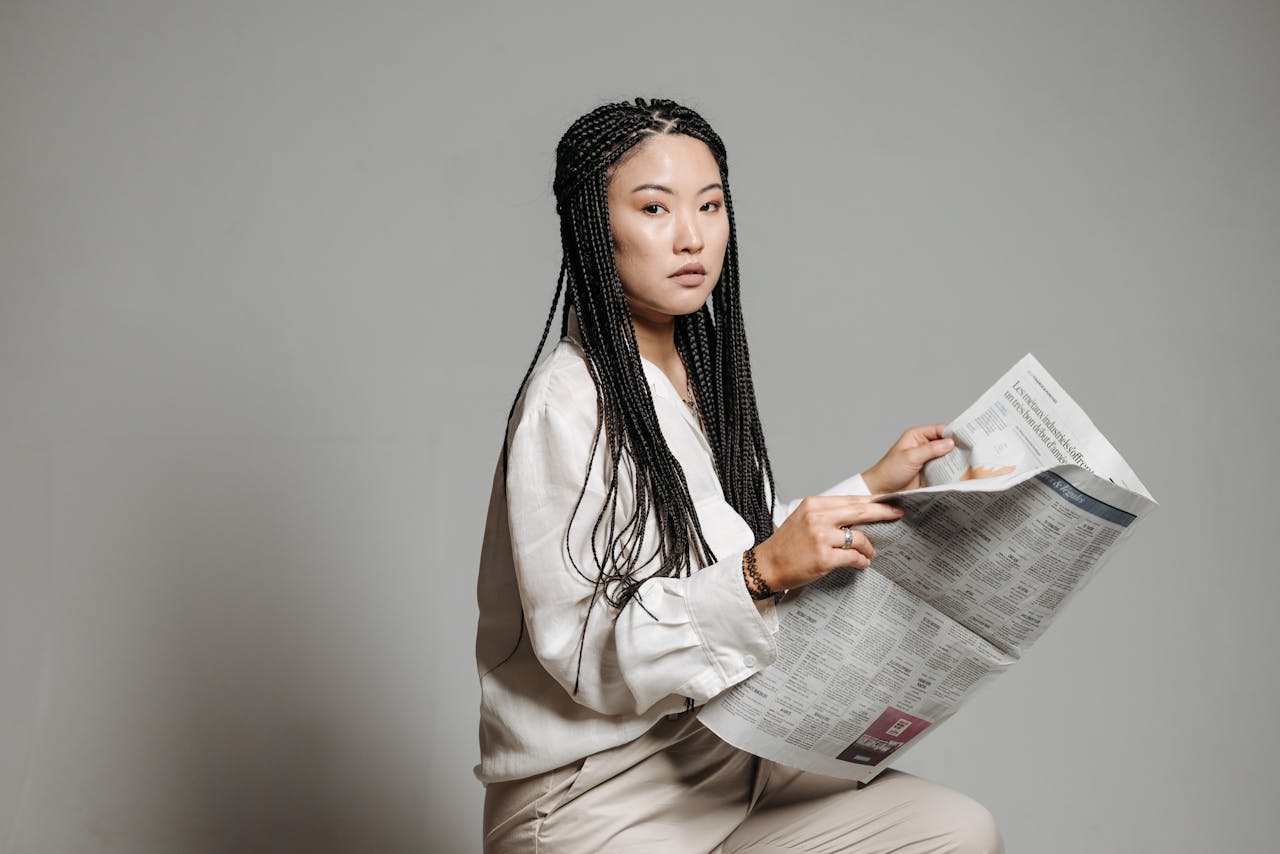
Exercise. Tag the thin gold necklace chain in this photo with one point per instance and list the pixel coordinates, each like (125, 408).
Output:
(691, 401)
(688, 384)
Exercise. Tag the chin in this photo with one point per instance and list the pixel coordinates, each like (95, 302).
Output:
(696, 299)
(691, 306)
(674, 305)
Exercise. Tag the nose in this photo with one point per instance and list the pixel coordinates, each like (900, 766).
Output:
(688, 236)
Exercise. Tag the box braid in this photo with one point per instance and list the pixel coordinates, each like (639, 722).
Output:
(712, 342)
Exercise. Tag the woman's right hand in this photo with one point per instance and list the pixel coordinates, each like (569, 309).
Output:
(810, 542)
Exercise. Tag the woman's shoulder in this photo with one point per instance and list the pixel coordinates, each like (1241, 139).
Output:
(562, 384)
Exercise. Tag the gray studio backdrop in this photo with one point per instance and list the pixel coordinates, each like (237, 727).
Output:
(271, 273)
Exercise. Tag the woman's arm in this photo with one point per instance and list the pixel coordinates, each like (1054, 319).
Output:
(897, 470)
(678, 637)
(687, 637)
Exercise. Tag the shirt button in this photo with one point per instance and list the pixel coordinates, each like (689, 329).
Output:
(749, 660)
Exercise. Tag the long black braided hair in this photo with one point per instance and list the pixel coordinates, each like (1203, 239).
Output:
(712, 342)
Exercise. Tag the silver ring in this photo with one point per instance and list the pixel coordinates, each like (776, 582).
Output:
(848, 537)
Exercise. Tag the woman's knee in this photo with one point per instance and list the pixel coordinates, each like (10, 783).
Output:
(937, 819)
(971, 828)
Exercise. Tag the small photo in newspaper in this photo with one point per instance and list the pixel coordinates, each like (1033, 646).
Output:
(886, 734)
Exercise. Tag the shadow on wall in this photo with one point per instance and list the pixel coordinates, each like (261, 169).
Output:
(274, 711)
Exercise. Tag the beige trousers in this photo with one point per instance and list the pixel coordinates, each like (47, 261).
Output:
(679, 789)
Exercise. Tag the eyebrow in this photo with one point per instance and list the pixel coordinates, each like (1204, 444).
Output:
(662, 189)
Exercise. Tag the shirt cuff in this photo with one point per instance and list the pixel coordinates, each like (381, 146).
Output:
(735, 633)
(769, 612)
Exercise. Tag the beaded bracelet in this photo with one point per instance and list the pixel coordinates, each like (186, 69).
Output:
(756, 585)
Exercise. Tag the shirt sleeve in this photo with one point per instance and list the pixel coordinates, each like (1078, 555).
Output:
(677, 637)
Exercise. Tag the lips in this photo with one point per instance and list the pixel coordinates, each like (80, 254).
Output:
(689, 276)
(689, 270)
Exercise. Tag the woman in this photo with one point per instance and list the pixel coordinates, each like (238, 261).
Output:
(634, 548)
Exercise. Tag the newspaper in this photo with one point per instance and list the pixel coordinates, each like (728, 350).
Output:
(1011, 524)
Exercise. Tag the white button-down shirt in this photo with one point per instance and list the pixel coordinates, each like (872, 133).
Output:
(543, 630)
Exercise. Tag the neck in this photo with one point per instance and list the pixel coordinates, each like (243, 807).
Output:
(657, 342)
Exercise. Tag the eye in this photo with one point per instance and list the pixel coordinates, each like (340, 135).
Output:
(653, 209)
(711, 206)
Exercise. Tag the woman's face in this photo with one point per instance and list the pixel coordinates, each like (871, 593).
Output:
(670, 228)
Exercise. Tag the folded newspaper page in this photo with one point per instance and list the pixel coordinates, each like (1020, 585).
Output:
(1012, 523)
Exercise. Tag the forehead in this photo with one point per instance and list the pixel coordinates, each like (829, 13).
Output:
(669, 159)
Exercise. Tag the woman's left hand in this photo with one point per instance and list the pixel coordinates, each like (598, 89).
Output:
(900, 468)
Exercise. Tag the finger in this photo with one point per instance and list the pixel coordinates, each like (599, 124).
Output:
(929, 432)
(864, 513)
(852, 558)
(919, 435)
(921, 455)
(836, 503)
(857, 542)
(859, 553)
